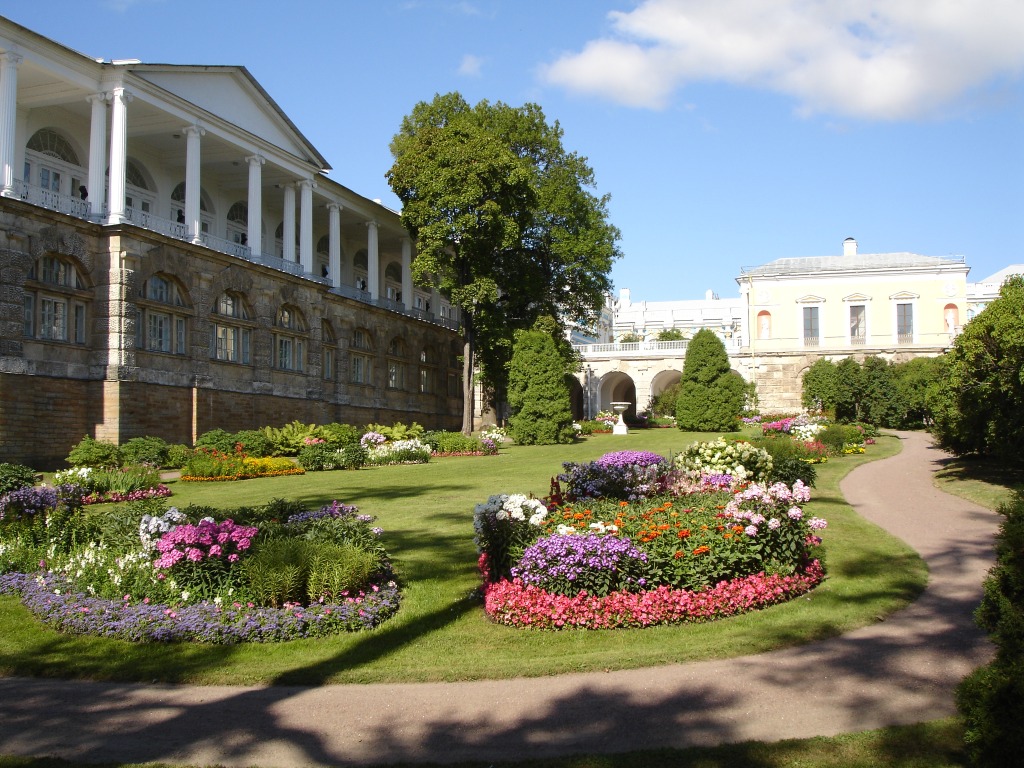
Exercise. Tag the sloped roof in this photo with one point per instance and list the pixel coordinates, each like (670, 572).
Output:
(861, 262)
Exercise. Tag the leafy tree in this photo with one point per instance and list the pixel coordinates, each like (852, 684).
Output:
(820, 385)
(504, 224)
(670, 334)
(880, 401)
(630, 337)
(917, 381)
(711, 394)
(979, 408)
(537, 391)
(849, 386)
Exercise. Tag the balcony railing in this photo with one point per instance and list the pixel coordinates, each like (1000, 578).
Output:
(75, 206)
(904, 338)
(858, 341)
(810, 341)
(637, 348)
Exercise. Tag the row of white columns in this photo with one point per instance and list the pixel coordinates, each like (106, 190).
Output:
(119, 99)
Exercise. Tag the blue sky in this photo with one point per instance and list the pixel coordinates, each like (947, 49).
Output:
(728, 132)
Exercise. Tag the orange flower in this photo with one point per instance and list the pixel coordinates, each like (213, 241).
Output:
(679, 554)
(623, 503)
(701, 550)
(684, 533)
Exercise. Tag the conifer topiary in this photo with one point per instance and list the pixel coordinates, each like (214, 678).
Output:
(538, 394)
(711, 394)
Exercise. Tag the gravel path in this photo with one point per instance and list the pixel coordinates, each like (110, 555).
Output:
(901, 670)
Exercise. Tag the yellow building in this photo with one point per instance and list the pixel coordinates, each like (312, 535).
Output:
(797, 310)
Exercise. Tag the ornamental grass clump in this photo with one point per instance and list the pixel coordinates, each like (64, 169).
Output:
(628, 475)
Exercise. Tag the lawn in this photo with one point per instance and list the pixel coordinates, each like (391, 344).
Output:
(441, 632)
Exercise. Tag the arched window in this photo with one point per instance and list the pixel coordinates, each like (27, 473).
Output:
(361, 362)
(328, 345)
(205, 207)
(55, 301)
(764, 324)
(290, 340)
(393, 281)
(163, 316)
(51, 162)
(238, 223)
(396, 365)
(232, 330)
(428, 373)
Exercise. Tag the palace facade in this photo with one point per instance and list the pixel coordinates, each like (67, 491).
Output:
(173, 259)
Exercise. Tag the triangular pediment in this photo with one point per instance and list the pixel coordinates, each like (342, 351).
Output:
(904, 296)
(233, 95)
(810, 298)
(856, 298)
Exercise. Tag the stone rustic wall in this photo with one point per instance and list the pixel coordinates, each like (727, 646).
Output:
(42, 418)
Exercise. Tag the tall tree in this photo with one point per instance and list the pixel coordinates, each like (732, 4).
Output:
(537, 392)
(980, 406)
(504, 223)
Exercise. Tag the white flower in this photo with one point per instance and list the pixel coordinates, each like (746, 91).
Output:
(563, 529)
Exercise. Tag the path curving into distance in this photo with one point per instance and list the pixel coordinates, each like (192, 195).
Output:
(898, 671)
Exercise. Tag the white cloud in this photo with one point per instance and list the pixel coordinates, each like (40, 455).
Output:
(470, 65)
(875, 59)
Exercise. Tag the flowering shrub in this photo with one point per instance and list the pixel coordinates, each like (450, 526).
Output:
(494, 434)
(211, 465)
(504, 526)
(741, 460)
(187, 543)
(607, 418)
(620, 475)
(398, 452)
(318, 457)
(161, 491)
(566, 564)
(372, 439)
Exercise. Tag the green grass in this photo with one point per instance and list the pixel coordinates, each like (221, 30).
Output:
(441, 632)
(982, 481)
(927, 745)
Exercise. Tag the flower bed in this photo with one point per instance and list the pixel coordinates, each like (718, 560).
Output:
(53, 600)
(702, 547)
(160, 492)
(178, 578)
(516, 604)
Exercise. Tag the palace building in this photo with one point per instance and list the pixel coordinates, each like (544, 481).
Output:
(174, 258)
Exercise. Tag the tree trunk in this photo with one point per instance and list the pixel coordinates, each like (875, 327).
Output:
(468, 350)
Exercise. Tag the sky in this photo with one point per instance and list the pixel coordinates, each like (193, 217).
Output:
(727, 133)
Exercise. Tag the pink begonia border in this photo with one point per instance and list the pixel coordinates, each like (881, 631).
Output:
(518, 605)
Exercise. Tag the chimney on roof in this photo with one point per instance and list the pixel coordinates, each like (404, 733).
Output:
(849, 247)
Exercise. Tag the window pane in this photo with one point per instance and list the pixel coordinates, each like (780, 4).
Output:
(810, 325)
(53, 319)
(246, 344)
(179, 335)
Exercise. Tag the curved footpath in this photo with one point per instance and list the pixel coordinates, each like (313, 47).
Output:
(901, 670)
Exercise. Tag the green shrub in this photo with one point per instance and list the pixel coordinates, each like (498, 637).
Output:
(144, 450)
(94, 453)
(789, 460)
(322, 456)
(15, 476)
(834, 437)
(177, 456)
(538, 394)
(991, 700)
(254, 443)
(217, 439)
(711, 395)
(289, 439)
(340, 435)
(398, 431)
(451, 442)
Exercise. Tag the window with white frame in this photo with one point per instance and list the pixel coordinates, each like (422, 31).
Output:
(426, 371)
(55, 302)
(812, 327)
(905, 323)
(289, 340)
(858, 324)
(163, 316)
(232, 330)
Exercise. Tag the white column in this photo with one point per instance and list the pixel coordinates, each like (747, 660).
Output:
(288, 230)
(97, 151)
(407, 273)
(254, 231)
(8, 113)
(372, 261)
(334, 244)
(120, 98)
(193, 181)
(306, 225)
